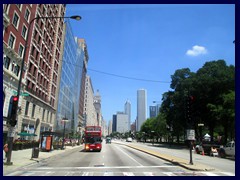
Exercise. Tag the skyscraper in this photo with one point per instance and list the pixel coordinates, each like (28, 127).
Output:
(141, 108)
(127, 110)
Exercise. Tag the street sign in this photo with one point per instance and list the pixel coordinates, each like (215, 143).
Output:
(190, 134)
(21, 94)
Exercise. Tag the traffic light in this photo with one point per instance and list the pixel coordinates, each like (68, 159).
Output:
(190, 101)
(13, 107)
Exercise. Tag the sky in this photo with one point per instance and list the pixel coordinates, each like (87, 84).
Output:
(139, 46)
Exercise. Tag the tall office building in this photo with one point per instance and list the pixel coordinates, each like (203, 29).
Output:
(70, 82)
(141, 108)
(43, 60)
(127, 110)
(122, 122)
(154, 110)
(114, 123)
(90, 113)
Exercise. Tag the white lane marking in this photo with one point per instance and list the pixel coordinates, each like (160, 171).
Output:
(128, 174)
(106, 167)
(130, 157)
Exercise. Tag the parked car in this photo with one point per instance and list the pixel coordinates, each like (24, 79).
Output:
(228, 150)
(129, 139)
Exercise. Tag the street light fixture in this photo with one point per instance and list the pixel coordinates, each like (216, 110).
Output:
(11, 128)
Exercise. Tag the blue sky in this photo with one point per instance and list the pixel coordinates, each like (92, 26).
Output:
(149, 42)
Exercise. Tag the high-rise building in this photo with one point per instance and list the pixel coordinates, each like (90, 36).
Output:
(42, 62)
(97, 105)
(114, 123)
(70, 82)
(90, 114)
(122, 122)
(141, 108)
(109, 127)
(127, 110)
(154, 110)
(82, 44)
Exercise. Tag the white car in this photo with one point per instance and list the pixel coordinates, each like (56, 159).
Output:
(129, 139)
(228, 150)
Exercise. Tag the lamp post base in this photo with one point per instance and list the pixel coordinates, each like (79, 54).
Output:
(8, 163)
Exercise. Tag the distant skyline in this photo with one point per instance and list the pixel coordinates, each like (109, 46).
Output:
(131, 43)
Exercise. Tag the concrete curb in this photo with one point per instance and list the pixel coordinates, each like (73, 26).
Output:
(175, 160)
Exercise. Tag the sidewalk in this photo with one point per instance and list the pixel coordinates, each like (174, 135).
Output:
(23, 158)
(171, 158)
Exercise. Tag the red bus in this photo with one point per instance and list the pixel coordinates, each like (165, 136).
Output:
(93, 138)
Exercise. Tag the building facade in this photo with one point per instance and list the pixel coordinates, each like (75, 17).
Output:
(114, 123)
(42, 62)
(81, 114)
(122, 122)
(141, 108)
(90, 114)
(97, 105)
(154, 111)
(127, 110)
(70, 83)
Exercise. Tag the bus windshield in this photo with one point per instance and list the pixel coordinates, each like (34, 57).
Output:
(93, 140)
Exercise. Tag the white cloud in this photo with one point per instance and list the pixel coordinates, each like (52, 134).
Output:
(196, 50)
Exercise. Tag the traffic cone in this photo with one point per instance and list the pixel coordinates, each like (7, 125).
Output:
(203, 153)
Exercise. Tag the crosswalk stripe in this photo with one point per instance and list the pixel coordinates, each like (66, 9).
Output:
(210, 174)
(228, 173)
(169, 173)
(85, 174)
(110, 173)
(128, 174)
(148, 173)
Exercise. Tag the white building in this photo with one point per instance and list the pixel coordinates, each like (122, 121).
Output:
(127, 110)
(109, 127)
(141, 108)
(122, 122)
(90, 113)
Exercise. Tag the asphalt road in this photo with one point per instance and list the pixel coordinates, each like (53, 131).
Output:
(113, 160)
(219, 164)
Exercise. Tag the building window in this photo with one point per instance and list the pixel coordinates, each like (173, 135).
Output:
(26, 108)
(47, 116)
(19, 6)
(16, 70)
(33, 110)
(24, 32)
(27, 14)
(20, 50)
(15, 20)
(6, 62)
(43, 114)
(11, 41)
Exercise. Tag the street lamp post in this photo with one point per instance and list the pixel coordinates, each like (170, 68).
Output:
(64, 120)
(200, 125)
(10, 137)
